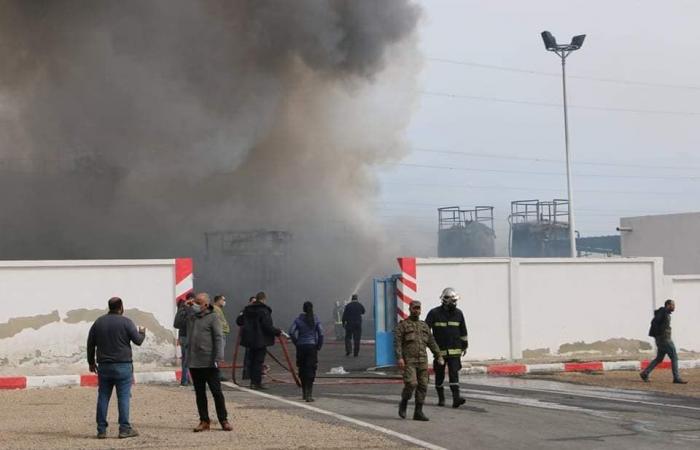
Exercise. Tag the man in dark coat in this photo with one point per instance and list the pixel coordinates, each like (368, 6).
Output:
(258, 333)
(661, 332)
(352, 322)
(450, 331)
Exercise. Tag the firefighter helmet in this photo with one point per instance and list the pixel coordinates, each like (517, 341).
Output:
(449, 296)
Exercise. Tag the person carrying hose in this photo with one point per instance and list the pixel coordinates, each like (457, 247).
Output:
(307, 335)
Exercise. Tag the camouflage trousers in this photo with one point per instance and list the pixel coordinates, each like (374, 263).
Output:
(415, 378)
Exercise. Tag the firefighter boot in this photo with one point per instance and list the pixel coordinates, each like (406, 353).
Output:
(403, 405)
(309, 392)
(441, 396)
(457, 401)
(418, 413)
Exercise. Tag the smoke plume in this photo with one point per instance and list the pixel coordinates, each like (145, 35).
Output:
(136, 129)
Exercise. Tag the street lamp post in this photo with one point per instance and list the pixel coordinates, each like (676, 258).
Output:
(564, 50)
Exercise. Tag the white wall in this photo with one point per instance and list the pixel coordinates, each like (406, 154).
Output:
(484, 304)
(512, 304)
(35, 288)
(685, 290)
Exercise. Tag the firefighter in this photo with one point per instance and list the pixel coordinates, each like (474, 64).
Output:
(450, 331)
(410, 339)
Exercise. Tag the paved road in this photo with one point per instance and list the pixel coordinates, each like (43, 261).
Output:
(518, 413)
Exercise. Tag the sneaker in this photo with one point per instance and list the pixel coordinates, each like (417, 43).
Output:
(679, 381)
(226, 426)
(644, 377)
(128, 433)
(101, 435)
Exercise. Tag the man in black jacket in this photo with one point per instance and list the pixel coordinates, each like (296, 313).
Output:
(450, 331)
(258, 333)
(660, 330)
(111, 336)
(352, 322)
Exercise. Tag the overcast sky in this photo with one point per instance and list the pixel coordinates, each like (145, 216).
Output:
(489, 118)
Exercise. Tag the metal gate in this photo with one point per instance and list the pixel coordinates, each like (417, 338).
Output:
(385, 317)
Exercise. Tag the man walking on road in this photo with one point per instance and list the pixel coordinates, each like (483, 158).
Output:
(352, 322)
(258, 333)
(661, 332)
(111, 336)
(204, 355)
(450, 331)
(411, 336)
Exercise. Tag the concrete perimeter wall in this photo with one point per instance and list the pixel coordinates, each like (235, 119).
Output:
(49, 307)
(517, 304)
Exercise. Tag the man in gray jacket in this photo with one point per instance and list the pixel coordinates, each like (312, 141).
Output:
(110, 337)
(204, 353)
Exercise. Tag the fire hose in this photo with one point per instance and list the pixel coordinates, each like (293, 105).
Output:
(289, 367)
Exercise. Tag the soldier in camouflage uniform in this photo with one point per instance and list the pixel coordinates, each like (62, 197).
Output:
(411, 336)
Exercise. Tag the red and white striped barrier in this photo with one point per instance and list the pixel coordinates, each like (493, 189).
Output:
(588, 366)
(183, 277)
(406, 287)
(86, 380)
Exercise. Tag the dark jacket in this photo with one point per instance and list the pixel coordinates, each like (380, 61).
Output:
(257, 328)
(181, 332)
(203, 336)
(449, 329)
(352, 315)
(112, 335)
(302, 334)
(661, 324)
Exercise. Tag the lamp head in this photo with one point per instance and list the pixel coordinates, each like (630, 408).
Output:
(550, 42)
(577, 41)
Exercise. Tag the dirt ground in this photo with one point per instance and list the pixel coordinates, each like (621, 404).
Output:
(660, 380)
(64, 418)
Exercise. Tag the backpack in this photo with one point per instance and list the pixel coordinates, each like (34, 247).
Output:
(654, 327)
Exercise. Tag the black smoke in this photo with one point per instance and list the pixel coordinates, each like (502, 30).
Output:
(129, 129)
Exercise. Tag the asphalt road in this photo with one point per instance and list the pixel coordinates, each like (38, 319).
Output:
(512, 413)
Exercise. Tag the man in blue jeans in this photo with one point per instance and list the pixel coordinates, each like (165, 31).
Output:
(110, 337)
(660, 330)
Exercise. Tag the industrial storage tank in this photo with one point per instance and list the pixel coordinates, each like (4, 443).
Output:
(465, 232)
(539, 229)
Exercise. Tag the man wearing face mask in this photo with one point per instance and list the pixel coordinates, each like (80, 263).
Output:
(205, 353)
(411, 336)
(450, 331)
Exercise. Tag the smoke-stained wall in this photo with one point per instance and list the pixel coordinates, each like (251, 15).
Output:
(129, 129)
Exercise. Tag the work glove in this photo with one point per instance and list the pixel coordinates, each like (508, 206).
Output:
(441, 361)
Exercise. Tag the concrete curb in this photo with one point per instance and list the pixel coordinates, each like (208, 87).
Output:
(89, 380)
(588, 366)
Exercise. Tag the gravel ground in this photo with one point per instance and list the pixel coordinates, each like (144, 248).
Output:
(660, 380)
(165, 415)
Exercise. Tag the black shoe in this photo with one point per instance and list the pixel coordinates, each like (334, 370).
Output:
(418, 413)
(403, 405)
(128, 433)
(457, 402)
(441, 396)
(258, 387)
(309, 394)
(644, 377)
(679, 381)
(101, 435)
